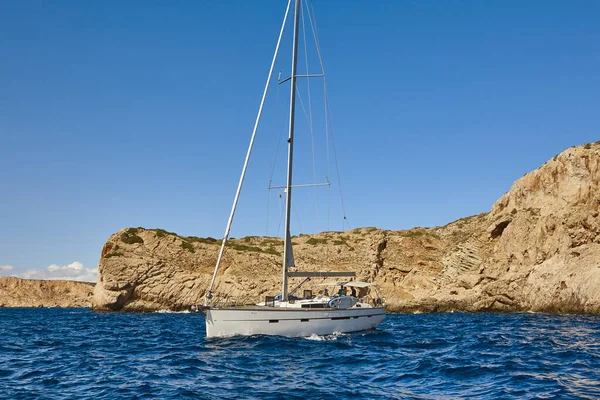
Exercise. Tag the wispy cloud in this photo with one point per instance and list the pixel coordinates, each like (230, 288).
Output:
(6, 268)
(72, 272)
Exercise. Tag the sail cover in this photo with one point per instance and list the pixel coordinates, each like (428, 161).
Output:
(289, 259)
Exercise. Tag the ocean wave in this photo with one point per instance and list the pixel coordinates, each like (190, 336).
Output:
(63, 354)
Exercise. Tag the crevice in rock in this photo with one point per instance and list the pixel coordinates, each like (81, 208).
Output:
(499, 229)
(379, 259)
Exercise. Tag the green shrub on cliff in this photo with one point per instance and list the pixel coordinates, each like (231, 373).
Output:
(110, 255)
(243, 247)
(190, 239)
(272, 242)
(188, 246)
(208, 240)
(341, 240)
(130, 236)
(271, 250)
(315, 241)
(162, 233)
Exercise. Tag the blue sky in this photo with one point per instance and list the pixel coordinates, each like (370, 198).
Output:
(126, 113)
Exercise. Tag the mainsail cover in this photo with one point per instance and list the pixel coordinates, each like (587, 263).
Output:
(289, 258)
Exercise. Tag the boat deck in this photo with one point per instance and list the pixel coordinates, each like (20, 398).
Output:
(262, 308)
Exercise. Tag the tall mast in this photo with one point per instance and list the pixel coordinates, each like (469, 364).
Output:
(287, 246)
(208, 294)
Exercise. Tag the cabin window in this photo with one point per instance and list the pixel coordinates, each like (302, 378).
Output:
(273, 321)
(318, 305)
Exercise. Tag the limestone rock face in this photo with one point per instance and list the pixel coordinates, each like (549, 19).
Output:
(538, 249)
(545, 234)
(17, 292)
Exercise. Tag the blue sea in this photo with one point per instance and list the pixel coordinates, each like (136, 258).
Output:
(80, 354)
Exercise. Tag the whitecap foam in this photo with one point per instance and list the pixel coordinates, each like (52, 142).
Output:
(173, 312)
(319, 338)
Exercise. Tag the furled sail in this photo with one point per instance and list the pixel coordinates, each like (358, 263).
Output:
(289, 259)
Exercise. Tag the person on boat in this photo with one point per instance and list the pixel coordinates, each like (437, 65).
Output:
(353, 294)
(326, 293)
(342, 291)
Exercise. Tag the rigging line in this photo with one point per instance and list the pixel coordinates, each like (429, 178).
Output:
(328, 157)
(302, 105)
(278, 138)
(280, 215)
(268, 201)
(312, 139)
(313, 25)
(310, 124)
(313, 21)
(312, 136)
(337, 166)
(310, 130)
(208, 295)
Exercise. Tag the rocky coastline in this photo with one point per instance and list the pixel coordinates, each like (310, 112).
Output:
(17, 292)
(538, 249)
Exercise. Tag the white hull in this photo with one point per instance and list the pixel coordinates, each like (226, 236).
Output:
(222, 322)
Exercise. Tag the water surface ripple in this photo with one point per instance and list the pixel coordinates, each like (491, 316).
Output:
(79, 354)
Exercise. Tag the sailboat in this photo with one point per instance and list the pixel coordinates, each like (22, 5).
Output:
(356, 306)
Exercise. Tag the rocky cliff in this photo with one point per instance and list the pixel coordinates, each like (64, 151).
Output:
(537, 249)
(16, 292)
